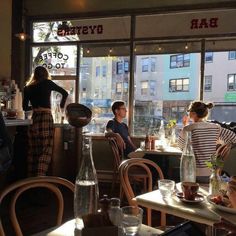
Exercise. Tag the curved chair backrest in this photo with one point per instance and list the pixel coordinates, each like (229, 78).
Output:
(126, 175)
(49, 182)
(117, 152)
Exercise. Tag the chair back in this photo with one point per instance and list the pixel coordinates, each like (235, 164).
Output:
(19, 187)
(127, 171)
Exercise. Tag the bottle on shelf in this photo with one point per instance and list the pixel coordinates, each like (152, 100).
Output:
(188, 162)
(86, 186)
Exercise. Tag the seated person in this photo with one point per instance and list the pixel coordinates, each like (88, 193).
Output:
(204, 137)
(118, 129)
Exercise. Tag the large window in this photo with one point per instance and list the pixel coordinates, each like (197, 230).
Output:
(145, 62)
(178, 61)
(112, 85)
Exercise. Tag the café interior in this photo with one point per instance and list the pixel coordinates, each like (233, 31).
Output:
(157, 57)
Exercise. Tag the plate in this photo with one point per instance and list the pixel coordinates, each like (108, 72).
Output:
(222, 208)
(199, 198)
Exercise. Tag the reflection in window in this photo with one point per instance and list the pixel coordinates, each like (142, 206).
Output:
(180, 60)
(179, 85)
(144, 88)
(145, 64)
(231, 82)
(126, 66)
(208, 83)
(232, 55)
(208, 57)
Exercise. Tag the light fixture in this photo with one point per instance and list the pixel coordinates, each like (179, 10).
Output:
(159, 48)
(186, 46)
(88, 51)
(22, 35)
(110, 50)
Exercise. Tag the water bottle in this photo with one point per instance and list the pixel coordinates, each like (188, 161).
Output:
(86, 186)
(188, 162)
(115, 211)
(162, 131)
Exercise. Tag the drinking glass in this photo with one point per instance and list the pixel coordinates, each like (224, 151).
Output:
(131, 220)
(142, 145)
(166, 187)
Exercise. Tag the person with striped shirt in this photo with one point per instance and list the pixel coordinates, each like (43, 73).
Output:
(205, 137)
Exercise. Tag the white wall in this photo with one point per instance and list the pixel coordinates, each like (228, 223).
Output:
(5, 39)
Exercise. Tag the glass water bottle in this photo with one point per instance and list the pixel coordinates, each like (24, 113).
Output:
(188, 162)
(86, 186)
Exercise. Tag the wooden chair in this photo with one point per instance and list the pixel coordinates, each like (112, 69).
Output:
(127, 177)
(19, 187)
(118, 155)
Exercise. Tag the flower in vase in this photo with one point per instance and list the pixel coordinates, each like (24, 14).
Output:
(216, 162)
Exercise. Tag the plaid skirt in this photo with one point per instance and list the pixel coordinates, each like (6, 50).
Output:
(40, 148)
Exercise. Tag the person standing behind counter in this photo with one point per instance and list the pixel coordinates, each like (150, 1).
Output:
(205, 136)
(38, 92)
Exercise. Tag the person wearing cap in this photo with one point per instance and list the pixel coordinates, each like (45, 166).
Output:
(205, 136)
(37, 92)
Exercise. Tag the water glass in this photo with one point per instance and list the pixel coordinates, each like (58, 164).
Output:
(166, 187)
(142, 145)
(131, 220)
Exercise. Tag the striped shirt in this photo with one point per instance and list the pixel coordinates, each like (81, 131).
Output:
(204, 136)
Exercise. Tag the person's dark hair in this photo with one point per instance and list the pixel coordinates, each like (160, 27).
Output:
(40, 73)
(116, 105)
(200, 108)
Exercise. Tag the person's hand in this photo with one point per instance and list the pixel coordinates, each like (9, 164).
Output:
(225, 225)
(185, 120)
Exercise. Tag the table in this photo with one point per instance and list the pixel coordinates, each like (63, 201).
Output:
(203, 212)
(67, 229)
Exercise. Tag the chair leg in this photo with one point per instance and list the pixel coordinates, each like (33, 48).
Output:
(149, 217)
(163, 219)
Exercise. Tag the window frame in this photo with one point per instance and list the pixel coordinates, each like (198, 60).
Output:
(179, 60)
(176, 90)
(207, 77)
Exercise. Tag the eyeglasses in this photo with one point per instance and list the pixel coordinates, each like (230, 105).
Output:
(123, 108)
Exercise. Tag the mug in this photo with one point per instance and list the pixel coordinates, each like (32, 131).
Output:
(190, 190)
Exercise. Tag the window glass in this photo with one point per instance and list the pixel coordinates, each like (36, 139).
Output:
(59, 60)
(208, 83)
(166, 93)
(145, 62)
(110, 86)
(153, 64)
(208, 57)
(220, 77)
(232, 55)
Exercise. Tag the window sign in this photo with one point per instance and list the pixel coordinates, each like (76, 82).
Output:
(186, 24)
(59, 60)
(79, 30)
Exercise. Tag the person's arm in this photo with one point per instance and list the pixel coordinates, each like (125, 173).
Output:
(228, 136)
(60, 90)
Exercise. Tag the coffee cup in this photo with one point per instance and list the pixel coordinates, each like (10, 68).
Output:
(190, 190)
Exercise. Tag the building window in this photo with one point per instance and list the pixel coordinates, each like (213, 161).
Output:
(208, 57)
(126, 66)
(119, 67)
(126, 87)
(152, 87)
(97, 71)
(232, 55)
(153, 64)
(180, 60)
(208, 83)
(231, 85)
(104, 71)
(144, 88)
(179, 85)
(119, 88)
(145, 64)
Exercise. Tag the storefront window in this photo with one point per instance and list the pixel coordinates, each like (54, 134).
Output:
(105, 87)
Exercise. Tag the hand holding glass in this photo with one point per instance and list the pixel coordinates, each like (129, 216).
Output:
(131, 220)
(166, 187)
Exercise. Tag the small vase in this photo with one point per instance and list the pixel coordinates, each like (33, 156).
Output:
(214, 183)
(172, 136)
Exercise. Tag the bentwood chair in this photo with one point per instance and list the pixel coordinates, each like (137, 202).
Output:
(16, 189)
(127, 178)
